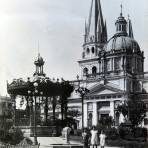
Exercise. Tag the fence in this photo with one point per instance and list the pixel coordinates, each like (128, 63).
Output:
(19, 146)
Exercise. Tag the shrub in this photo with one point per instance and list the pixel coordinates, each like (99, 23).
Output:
(15, 136)
(125, 132)
(140, 132)
(118, 142)
(112, 133)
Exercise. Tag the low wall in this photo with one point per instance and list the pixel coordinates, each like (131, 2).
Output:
(65, 146)
(42, 131)
(18, 146)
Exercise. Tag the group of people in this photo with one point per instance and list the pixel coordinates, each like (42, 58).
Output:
(93, 138)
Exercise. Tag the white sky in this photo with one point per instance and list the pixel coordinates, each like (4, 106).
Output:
(59, 26)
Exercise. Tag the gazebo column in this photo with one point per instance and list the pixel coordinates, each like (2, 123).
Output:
(46, 109)
(95, 115)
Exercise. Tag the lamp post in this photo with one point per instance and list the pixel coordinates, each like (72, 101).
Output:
(82, 91)
(34, 92)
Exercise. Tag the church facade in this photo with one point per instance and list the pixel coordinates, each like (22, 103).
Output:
(111, 69)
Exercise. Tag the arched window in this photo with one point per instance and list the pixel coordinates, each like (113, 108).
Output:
(119, 27)
(117, 63)
(94, 70)
(88, 51)
(85, 71)
(83, 55)
(93, 50)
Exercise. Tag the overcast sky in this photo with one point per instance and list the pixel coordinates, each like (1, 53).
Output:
(58, 25)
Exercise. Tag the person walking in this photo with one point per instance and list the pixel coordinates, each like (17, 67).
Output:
(67, 130)
(94, 137)
(85, 137)
(102, 139)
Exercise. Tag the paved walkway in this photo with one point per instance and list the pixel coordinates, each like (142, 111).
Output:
(45, 142)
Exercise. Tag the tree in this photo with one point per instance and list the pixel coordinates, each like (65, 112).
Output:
(66, 90)
(137, 112)
(135, 109)
(9, 134)
(73, 113)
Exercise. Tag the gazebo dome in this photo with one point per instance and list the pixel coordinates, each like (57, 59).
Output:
(39, 61)
(122, 42)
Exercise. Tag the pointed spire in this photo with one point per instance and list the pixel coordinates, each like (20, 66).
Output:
(130, 28)
(90, 17)
(85, 34)
(95, 27)
(100, 23)
(105, 32)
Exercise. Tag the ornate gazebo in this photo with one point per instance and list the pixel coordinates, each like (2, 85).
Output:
(39, 95)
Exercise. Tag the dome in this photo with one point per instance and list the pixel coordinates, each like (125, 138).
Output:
(122, 42)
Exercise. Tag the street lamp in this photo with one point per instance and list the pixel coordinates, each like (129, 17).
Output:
(82, 91)
(34, 93)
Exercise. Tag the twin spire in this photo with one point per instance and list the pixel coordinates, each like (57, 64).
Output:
(95, 29)
(130, 28)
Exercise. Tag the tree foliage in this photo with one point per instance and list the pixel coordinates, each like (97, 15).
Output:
(73, 113)
(135, 109)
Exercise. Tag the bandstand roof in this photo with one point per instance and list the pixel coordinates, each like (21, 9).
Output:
(45, 87)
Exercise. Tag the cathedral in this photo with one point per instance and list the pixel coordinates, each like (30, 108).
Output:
(111, 69)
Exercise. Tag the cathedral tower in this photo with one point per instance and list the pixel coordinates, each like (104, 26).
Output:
(94, 39)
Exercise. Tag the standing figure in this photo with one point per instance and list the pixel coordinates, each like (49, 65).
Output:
(102, 139)
(94, 137)
(67, 133)
(85, 137)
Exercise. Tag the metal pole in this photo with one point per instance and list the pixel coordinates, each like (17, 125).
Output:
(35, 134)
(14, 114)
(30, 114)
(82, 112)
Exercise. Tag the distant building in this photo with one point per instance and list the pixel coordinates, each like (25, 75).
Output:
(111, 69)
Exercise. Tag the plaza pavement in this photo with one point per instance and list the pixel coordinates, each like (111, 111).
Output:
(45, 142)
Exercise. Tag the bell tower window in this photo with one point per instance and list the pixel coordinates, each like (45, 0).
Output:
(94, 70)
(83, 55)
(88, 51)
(93, 50)
(85, 71)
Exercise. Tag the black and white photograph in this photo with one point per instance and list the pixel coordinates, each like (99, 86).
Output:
(74, 74)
